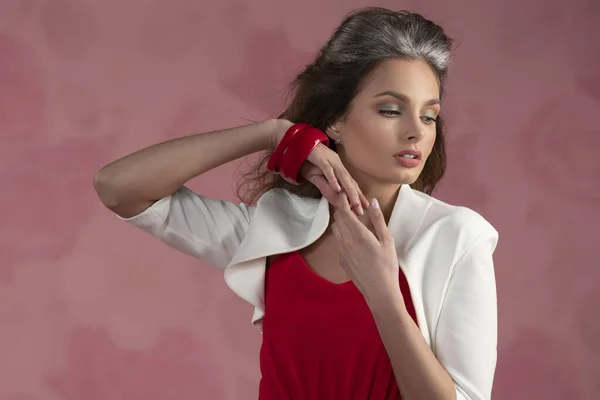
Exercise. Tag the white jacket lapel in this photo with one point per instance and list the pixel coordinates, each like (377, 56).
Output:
(282, 223)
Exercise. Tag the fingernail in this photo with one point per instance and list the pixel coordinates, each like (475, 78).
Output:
(360, 210)
(356, 200)
(375, 204)
(338, 187)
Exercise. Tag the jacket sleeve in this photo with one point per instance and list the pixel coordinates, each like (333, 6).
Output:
(466, 338)
(205, 228)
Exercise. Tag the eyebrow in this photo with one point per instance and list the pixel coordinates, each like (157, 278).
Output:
(405, 98)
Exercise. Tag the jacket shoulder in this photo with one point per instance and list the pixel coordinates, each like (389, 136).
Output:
(454, 221)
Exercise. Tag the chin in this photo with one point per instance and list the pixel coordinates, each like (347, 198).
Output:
(406, 177)
(394, 176)
(396, 180)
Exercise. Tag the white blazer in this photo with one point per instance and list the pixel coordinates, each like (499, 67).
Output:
(445, 252)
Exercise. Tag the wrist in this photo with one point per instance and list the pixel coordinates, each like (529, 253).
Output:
(269, 128)
(278, 128)
(386, 301)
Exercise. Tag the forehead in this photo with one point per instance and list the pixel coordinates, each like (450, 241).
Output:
(413, 78)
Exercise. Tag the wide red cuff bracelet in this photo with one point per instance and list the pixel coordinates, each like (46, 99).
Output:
(293, 149)
(272, 165)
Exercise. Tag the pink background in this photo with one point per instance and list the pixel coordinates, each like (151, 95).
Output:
(91, 308)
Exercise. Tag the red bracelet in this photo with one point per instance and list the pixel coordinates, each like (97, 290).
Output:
(297, 152)
(273, 164)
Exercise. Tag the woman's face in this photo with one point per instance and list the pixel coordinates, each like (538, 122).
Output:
(389, 130)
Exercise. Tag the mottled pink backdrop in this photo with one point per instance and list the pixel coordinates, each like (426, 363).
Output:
(92, 309)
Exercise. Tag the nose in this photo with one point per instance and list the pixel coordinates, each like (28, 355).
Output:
(413, 130)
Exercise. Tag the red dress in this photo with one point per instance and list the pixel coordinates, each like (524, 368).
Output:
(320, 340)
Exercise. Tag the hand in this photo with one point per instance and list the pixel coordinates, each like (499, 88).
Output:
(324, 169)
(370, 260)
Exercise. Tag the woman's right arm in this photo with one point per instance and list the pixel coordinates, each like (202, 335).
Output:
(146, 188)
(130, 185)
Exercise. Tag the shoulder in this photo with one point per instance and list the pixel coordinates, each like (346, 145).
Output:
(452, 223)
(456, 216)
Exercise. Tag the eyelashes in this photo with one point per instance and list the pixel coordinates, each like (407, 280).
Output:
(428, 120)
(394, 113)
(389, 113)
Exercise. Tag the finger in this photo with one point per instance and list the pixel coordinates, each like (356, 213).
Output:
(342, 204)
(365, 203)
(362, 199)
(336, 174)
(349, 186)
(318, 157)
(350, 227)
(378, 221)
(352, 191)
(343, 216)
(325, 188)
(329, 173)
(358, 204)
(346, 219)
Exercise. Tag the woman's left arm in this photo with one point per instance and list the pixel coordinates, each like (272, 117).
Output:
(418, 373)
(462, 363)
(466, 337)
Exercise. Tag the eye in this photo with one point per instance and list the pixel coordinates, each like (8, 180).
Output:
(389, 113)
(428, 120)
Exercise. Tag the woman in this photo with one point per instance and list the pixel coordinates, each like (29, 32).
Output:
(364, 286)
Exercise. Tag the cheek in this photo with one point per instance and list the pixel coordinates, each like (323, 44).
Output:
(427, 143)
(376, 135)
(365, 137)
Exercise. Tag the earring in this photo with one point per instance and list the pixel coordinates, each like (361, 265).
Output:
(338, 140)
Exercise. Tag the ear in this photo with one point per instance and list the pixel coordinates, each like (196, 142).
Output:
(333, 131)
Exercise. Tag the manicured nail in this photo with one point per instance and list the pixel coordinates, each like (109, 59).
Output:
(337, 186)
(356, 200)
(360, 210)
(375, 204)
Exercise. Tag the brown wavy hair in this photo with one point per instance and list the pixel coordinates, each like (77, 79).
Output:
(321, 94)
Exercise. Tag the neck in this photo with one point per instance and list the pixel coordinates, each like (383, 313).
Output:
(386, 195)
